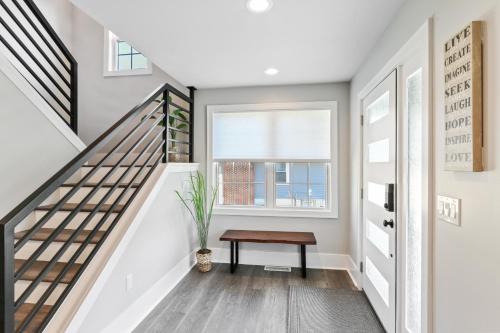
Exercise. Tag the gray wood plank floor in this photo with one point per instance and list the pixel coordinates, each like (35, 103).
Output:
(251, 300)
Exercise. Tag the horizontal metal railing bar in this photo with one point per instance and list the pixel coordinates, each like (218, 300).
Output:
(78, 231)
(87, 261)
(42, 36)
(179, 107)
(46, 25)
(180, 142)
(178, 93)
(84, 179)
(177, 130)
(44, 191)
(32, 40)
(180, 119)
(33, 58)
(30, 70)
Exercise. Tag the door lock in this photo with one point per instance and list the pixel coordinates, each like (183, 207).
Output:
(389, 223)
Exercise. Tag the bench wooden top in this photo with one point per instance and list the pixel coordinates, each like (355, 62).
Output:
(284, 237)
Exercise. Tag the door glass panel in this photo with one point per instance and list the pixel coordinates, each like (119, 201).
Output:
(378, 152)
(380, 108)
(378, 237)
(378, 281)
(415, 218)
(376, 193)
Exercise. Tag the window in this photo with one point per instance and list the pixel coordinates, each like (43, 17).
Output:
(274, 159)
(120, 58)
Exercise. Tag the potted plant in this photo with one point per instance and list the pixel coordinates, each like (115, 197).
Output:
(174, 125)
(200, 207)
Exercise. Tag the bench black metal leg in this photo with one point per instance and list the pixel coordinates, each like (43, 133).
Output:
(237, 252)
(303, 260)
(232, 258)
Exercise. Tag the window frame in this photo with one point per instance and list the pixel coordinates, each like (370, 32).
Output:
(110, 63)
(330, 212)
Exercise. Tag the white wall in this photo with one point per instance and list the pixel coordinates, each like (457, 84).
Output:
(32, 148)
(332, 234)
(164, 237)
(466, 258)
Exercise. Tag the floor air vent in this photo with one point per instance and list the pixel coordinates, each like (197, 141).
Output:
(278, 268)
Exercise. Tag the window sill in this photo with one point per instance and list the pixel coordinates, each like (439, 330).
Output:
(237, 211)
(128, 73)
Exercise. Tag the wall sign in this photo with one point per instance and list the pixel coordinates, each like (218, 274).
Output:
(464, 100)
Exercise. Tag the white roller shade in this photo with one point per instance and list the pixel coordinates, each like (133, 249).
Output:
(272, 135)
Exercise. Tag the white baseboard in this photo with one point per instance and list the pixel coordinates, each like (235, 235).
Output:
(314, 260)
(142, 307)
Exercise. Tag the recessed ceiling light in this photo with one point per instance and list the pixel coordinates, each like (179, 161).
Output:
(259, 6)
(271, 71)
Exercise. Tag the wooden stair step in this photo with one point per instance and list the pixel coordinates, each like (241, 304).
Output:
(37, 266)
(94, 184)
(69, 207)
(24, 310)
(44, 233)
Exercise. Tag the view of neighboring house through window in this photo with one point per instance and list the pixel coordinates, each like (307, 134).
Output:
(274, 160)
(121, 58)
(301, 185)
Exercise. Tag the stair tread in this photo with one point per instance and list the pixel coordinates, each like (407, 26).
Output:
(63, 236)
(86, 208)
(94, 184)
(37, 266)
(23, 311)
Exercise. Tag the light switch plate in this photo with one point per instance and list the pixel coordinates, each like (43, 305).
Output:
(449, 209)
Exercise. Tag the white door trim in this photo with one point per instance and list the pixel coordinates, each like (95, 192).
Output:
(423, 38)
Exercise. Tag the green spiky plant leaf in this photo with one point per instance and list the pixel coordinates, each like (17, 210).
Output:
(200, 206)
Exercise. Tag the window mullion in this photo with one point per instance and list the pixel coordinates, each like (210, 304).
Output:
(270, 186)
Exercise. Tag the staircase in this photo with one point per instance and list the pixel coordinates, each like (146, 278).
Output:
(49, 240)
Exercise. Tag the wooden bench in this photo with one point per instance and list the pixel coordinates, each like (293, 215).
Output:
(282, 237)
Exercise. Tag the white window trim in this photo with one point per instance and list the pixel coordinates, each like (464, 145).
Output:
(109, 58)
(332, 212)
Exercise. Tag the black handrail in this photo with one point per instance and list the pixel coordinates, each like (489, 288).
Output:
(143, 130)
(60, 89)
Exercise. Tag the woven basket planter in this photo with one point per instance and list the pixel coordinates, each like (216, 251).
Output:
(204, 260)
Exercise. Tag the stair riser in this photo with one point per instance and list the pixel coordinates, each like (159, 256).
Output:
(97, 197)
(22, 285)
(48, 254)
(101, 173)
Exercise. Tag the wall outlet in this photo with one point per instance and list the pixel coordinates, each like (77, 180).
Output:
(449, 209)
(129, 282)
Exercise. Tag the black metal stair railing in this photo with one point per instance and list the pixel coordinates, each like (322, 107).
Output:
(37, 52)
(126, 155)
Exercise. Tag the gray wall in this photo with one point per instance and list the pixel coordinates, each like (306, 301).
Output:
(466, 258)
(165, 236)
(332, 234)
(32, 149)
(101, 100)
(104, 100)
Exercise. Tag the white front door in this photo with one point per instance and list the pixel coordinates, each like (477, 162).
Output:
(379, 199)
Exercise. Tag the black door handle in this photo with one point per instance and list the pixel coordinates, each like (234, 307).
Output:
(389, 223)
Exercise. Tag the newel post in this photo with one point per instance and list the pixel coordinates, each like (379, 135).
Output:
(7, 278)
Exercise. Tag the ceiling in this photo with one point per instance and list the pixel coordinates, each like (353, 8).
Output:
(219, 43)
